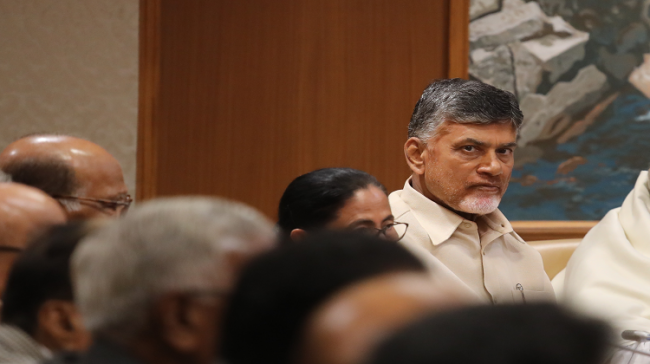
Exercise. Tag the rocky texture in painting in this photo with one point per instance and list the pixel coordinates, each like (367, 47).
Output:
(537, 50)
(576, 66)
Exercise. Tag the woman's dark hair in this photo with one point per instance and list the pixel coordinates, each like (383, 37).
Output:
(313, 200)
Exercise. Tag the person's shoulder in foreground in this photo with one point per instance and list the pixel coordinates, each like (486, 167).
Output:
(607, 274)
(460, 149)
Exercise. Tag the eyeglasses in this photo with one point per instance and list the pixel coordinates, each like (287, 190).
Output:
(387, 231)
(120, 206)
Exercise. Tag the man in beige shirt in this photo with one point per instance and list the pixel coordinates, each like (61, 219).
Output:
(461, 153)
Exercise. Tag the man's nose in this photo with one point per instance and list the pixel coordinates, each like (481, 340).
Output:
(491, 164)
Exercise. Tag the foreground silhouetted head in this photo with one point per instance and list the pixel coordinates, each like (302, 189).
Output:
(38, 298)
(154, 282)
(523, 334)
(347, 327)
(81, 175)
(278, 290)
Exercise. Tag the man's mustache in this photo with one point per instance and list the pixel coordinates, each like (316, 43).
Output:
(499, 184)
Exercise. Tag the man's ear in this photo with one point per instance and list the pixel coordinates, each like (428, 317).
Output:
(60, 326)
(414, 150)
(186, 323)
(297, 234)
(176, 323)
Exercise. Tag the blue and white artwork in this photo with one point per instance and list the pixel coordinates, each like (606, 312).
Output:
(581, 72)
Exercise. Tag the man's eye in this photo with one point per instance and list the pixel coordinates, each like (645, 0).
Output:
(469, 148)
(505, 151)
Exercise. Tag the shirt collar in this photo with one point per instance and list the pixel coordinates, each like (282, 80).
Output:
(439, 222)
(497, 221)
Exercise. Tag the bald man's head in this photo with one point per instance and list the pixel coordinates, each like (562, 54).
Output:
(80, 174)
(348, 326)
(24, 213)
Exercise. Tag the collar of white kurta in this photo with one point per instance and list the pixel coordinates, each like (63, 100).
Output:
(439, 222)
(609, 273)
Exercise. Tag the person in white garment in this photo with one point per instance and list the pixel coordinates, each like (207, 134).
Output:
(609, 273)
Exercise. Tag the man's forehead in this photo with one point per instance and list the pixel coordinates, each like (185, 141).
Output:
(503, 130)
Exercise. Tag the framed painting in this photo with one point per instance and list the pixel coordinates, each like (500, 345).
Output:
(581, 72)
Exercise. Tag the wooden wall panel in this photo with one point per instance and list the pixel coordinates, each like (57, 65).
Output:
(247, 95)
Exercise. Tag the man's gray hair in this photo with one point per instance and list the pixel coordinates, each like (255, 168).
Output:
(4, 177)
(161, 246)
(464, 102)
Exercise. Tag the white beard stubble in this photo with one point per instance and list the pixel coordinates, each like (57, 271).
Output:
(480, 205)
(472, 204)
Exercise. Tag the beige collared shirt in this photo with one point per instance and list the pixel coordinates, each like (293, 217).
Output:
(486, 256)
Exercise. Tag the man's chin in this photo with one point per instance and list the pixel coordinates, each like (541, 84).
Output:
(479, 205)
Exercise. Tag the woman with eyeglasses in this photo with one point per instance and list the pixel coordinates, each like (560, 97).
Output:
(337, 199)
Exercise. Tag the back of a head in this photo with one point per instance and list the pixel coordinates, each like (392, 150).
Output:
(41, 273)
(347, 327)
(313, 199)
(25, 212)
(462, 101)
(277, 291)
(166, 245)
(523, 334)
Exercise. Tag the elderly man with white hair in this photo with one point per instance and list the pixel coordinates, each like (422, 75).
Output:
(151, 286)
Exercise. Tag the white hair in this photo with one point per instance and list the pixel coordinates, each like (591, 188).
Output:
(164, 245)
(4, 177)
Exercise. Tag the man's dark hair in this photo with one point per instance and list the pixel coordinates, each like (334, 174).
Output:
(52, 176)
(279, 289)
(41, 273)
(464, 102)
(313, 200)
(522, 334)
